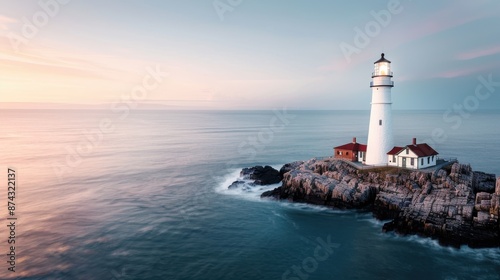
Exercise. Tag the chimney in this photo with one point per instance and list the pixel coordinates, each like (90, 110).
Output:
(414, 141)
(354, 140)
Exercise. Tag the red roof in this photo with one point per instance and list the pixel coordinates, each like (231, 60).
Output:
(395, 150)
(421, 150)
(353, 147)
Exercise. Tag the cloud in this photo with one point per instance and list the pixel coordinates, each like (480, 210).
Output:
(66, 75)
(470, 70)
(408, 28)
(5, 21)
(479, 53)
(443, 19)
(55, 60)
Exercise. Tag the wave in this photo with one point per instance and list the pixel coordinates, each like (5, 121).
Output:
(483, 254)
(249, 191)
(487, 254)
(246, 190)
(314, 208)
(368, 218)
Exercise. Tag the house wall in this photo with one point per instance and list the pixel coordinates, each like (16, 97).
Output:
(361, 155)
(345, 154)
(405, 162)
(403, 156)
(390, 160)
(428, 161)
(417, 162)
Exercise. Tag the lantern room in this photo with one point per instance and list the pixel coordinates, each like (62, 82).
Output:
(382, 67)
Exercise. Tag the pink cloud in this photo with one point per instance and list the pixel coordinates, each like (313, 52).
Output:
(4, 21)
(465, 71)
(64, 62)
(479, 53)
(7, 19)
(448, 17)
(414, 28)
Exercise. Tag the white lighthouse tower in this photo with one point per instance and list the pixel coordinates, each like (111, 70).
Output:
(380, 139)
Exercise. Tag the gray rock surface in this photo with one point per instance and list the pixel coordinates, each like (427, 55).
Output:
(262, 175)
(456, 205)
(497, 189)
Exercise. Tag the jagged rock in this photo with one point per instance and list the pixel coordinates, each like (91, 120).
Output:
(236, 184)
(467, 212)
(495, 206)
(482, 196)
(275, 193)
(261, 175)
(343, 192)
(459, 169)
(482, 217)
(461, 190)
(458, 206)
(497, 189)
(427, 188)
(439, 176)
(289, 166)
(484, 182)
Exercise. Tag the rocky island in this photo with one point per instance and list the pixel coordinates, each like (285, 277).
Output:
(454, 204)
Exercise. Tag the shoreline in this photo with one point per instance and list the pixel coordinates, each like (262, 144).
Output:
(453, 204)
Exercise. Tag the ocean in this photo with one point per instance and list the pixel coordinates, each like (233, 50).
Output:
(102, 195)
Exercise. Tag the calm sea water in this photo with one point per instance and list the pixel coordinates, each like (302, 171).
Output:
(149, 199)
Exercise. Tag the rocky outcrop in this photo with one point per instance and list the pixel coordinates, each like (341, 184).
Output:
(254, 176)
(262, 175)
(497, 189)
(455, 205)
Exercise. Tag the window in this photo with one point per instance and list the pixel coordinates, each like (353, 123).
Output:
(393, 158)
(346, 153)
(407, 152)
(422, 161)
(339, 153)
(382, 68)
(428, 160)
(380, 122)
(412, 161)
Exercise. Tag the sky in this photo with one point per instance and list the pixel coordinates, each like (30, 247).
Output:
(247, 54)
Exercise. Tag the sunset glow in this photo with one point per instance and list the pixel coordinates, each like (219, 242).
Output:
(89, 53)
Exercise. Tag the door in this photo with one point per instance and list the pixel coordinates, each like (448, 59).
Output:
(404, 162)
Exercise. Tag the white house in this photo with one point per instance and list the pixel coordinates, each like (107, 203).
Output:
(414, 156)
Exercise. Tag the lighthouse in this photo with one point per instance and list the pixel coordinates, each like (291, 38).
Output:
(380, 138)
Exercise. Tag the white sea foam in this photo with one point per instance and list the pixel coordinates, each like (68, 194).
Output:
(252, 192)
(485, 254)
(368, 218)
(311, 207)
(246, 191)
